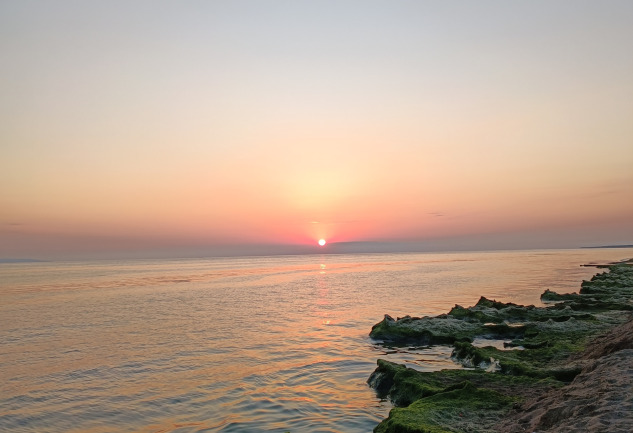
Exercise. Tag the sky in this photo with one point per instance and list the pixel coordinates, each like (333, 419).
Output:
(211, 127)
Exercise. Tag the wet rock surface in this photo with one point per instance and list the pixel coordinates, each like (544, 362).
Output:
(559, 376)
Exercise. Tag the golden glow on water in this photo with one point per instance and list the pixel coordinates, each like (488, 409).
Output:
(273, 343)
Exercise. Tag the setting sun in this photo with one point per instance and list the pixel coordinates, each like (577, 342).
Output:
(321, 242)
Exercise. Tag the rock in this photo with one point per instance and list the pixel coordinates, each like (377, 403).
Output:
(599, 399)
(553, 339)
(425, 331)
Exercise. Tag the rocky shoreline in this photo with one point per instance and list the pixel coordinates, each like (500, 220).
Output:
(564, 367)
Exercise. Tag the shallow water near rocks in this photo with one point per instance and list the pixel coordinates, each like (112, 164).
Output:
(236, 344)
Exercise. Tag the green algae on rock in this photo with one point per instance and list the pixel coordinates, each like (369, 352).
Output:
(599, 398)
(405, 385)
(449, 400)
(474, 400)
(425, 330)
(465, 406)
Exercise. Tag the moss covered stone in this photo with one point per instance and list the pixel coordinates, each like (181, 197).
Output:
(426, 330)
(472, 400)
(464, 405)
(550, 296)
(404, 385)
(449, 400)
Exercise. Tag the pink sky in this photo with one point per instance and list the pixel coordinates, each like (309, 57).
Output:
(159, 125)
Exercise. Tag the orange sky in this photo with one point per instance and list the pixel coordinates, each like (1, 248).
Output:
(159, 125)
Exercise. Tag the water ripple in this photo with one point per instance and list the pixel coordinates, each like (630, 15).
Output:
(233, 345)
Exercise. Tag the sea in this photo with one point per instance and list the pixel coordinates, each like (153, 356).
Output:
(242, 344)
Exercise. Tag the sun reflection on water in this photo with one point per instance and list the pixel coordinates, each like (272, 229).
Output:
(259, 344)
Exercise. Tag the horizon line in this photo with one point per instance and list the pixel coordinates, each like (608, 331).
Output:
(272, 250)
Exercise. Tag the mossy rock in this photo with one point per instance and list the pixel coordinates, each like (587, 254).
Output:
(538, 363)
(619, 278)
(424, 331)
(607, 291)
(490, 311)
(460, 408)
(551, 296)
(473, 400)
(404, 385)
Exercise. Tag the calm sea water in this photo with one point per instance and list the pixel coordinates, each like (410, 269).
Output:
(235, 345)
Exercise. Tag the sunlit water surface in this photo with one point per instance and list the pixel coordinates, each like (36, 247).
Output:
(235, 345)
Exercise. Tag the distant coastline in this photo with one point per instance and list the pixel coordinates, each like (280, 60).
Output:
(610, 246)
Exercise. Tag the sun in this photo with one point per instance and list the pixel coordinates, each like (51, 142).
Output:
(321, 242)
